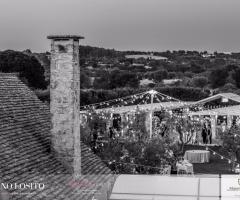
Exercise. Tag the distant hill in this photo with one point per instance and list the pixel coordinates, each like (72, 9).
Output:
(109, 69)
(97, 52)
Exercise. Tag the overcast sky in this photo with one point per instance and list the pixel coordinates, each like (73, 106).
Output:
(123, 24)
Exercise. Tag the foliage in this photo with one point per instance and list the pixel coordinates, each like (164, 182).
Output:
(182, 93)
(196, 68)
(236, 77)
(181, 125)
(162, 124)
(134, 154)
(157, 75)
(28, 67)
(218, 77)
(185, 126)
(95, 96)
(228, 87)
(88, 51)
(131, 157)
(231, 142)
(84, 80)
(137, 128)
(116, 79)
(200, 81)
(97, 120)
(85, 134)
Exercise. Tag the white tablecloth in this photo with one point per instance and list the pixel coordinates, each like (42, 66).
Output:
(197, 156)
(185, 166)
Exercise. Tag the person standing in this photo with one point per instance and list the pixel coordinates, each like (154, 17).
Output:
(111, 133)
(204, 134)
(209, 133)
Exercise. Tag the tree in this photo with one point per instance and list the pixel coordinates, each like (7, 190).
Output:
(186, 126)
(123, 79)
(28, 67)
(160, 75)
(134, 157)
(162, 124)
(189, 74)
(218, 77)
(137, 128)
(196, 68)
(84, 80)
(200, 81)
(228, 87)
(236, 77)
(231, 143)
(116, 79)
(172, 75)
(182, 125)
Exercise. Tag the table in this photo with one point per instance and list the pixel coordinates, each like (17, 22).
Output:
(184, 166)
(197, 156)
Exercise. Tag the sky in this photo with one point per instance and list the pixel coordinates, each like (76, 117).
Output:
(148, 25)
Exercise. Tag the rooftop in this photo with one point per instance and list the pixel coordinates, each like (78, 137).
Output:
(231, 96)
(25, 149)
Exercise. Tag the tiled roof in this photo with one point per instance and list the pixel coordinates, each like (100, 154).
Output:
(25, 149)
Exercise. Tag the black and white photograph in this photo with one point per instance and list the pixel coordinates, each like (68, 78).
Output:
(119, 99)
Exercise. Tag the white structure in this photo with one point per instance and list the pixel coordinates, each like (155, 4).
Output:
(170, 81)
(225, 105)
(168, 103)
(146, 56)
(145, 82)
(205, 187)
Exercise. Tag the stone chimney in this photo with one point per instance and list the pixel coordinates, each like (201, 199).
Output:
(65, 100)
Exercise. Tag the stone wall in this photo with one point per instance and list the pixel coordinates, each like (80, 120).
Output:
(65, 101)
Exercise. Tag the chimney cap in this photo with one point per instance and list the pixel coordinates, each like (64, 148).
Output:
(64, 37)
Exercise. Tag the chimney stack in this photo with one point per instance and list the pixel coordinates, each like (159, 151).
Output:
(65, 100)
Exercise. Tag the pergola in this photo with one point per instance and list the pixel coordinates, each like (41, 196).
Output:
(228, 112)
(150, 102)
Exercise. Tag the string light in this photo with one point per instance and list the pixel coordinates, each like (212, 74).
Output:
(132, 99)
(222, 157)
(144, 98)
(133, 164)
